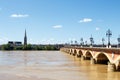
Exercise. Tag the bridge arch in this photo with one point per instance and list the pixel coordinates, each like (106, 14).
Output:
(79, 53)
(88, 55)
(74, 52)
(102, 58)
(70, 50)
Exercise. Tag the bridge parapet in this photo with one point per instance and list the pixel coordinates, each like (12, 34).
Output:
(107, 50)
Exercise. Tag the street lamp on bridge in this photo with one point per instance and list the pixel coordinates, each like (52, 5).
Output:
(76, 43)
(103, 41)
(91, 40)
(118, 41)
(108, 34)
(81, 42)
(71, 42)
(86, 43)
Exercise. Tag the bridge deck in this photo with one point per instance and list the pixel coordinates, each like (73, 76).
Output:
(106, 50)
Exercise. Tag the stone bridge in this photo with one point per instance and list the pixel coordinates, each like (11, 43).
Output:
(108, 56)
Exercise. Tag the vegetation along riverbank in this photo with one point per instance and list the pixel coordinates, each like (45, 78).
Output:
(30, 47)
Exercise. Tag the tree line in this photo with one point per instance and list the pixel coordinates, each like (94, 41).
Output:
(28, 47)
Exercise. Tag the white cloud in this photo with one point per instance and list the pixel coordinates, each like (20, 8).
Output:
(19, 15)
(97, 28)
(57, 26)
(85, 20)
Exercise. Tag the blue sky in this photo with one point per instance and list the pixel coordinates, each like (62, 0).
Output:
(59, 21)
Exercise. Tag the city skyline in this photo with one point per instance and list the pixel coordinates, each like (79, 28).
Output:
(59, 21)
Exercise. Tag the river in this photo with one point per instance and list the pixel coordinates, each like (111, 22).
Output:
(50, 65)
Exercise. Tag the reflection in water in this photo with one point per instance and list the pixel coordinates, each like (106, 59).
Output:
(25, 57)
(50, 65)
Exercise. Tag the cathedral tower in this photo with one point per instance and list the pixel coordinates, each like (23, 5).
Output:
(25, 38)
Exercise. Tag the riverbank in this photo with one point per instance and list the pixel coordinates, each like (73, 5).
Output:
(30, 47)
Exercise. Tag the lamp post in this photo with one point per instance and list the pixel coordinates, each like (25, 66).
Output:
(71, 42)
(86, 43)
(103, 41)
(81, 42)
(118, 41)
(75, 43)
(108, 34)
(91, 41)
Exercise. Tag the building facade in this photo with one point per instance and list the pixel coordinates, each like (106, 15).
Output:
(15, 43)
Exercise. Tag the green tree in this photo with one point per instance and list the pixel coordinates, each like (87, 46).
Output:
(18, 48)
(7, 47)
(27, 47)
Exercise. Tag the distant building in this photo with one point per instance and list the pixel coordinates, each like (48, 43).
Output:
(25, 39)
(15, 43)
(18, 43)
(10, 42)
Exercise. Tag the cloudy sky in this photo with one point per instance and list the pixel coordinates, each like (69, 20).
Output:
(59, 21)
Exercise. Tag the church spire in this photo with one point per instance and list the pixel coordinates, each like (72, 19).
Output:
(25, 38)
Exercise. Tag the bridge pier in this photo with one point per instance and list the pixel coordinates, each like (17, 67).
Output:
(70, 53)
(79, 56)
(73, 54)
(118, 65)
(82, 57)
(111, 67)
(117, 68)
(93, 61)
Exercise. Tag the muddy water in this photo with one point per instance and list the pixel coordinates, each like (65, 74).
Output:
(50, 65)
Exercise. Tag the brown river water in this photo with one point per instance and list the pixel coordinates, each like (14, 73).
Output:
(50, 65)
